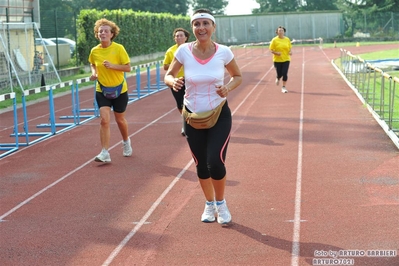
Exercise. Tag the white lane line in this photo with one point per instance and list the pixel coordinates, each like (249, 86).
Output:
(250, 93)
(143, 220)
(297, 216)
(74, 171)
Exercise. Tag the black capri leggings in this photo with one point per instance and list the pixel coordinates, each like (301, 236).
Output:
(282, 69)
(179, 96)
(209, 146)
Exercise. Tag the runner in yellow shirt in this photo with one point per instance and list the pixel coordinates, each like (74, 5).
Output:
(280, 47)
(109, 60)
(180, 36)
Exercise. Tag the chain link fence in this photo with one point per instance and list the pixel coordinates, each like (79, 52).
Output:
(25, 55)
(328, 26)
(60, 24)
(262, 28)
(24, 58)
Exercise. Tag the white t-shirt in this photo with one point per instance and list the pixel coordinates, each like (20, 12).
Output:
(201, 77)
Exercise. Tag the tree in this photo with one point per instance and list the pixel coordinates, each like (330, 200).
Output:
(371, 5)
(176, 7)
(266, 6)
(294, 5)
(317, 5)
(216, 6)
(356, 12)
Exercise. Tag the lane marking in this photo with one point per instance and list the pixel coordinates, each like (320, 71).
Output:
(144, 219)
(291, 221)
(297, 215)
(250, 93)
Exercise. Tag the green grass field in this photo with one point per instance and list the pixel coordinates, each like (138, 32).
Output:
(379, 91)
(388, 54)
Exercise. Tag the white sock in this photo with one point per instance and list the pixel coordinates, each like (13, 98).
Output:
(219, 202)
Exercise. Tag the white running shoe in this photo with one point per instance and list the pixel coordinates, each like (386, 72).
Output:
(127, 148)
(182, 132)
(224, 216)
(277, 81)
(284, 90)
(208, 216)
(103, 157)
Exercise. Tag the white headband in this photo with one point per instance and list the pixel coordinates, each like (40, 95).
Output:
(202, 15)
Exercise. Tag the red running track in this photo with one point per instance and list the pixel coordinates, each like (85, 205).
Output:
(310, 174)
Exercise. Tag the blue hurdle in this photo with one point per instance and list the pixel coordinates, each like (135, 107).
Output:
(10, 147)
(78, 115)
(76, 110)
(52, 122)
(150, 88)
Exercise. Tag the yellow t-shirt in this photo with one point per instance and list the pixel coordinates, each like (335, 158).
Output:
(283, 46)
(115, 54)
(169, 55)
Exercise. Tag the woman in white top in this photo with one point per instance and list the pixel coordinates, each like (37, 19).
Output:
(204, 64)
